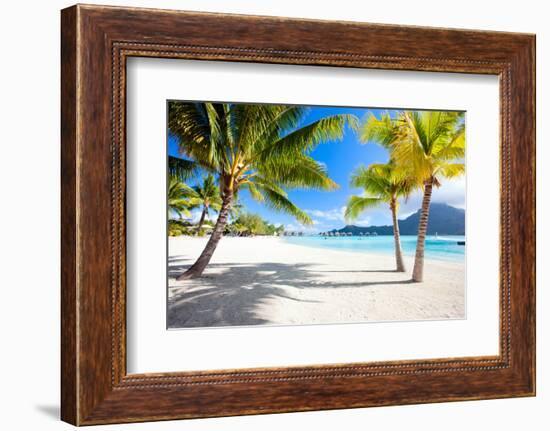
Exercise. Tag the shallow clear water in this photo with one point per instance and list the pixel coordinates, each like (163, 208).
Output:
(441, 247)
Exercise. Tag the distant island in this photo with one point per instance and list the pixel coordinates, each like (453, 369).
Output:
(443, 220)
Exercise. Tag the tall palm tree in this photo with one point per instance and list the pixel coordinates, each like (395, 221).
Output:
(431, 146)
(382, 183)
(262, 148)
(207, 196)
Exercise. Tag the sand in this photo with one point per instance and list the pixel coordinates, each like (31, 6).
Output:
(265, 280)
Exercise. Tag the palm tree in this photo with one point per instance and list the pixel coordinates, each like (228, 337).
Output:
(178, 204)
(207, 196)
(382, 183)
(178, 197)
(431, 146)
(262, 148)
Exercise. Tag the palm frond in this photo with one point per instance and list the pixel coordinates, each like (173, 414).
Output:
(452, 170)
(358, 204)
(373, 179)
(180, 197)
(276, 198)
(254, 192)
(189, 122)
(380, 130)
(299, 172)
(264, 124)
(263, 148)
(381, 182)
(182, 169)
(428, 139)
(306, 138)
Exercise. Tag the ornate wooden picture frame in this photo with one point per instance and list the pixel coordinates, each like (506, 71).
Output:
(96, 41)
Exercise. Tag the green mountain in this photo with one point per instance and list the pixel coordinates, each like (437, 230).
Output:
(444, 220)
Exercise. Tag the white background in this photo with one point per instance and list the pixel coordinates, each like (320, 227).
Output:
(153, 349)
(29, 220)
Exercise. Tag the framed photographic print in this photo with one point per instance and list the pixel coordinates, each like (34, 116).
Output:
(262, 217)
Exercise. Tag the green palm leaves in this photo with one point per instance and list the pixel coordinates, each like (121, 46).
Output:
(426, 146)
(207, 196)
(432, 144)
(429, 144)
(178, 197)
(206, 193)
(182, 169)
(263, 148)
(382, 183)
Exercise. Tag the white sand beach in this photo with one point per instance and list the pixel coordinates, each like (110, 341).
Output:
(265, 280)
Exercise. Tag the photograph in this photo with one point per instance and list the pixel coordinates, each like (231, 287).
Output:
(301, 215)
(272, 215)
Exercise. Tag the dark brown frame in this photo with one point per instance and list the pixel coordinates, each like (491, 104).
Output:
(96, 41)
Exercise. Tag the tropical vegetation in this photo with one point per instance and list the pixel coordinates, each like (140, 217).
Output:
(264, 149)
(178, 206)
(205, 195)
(382, 183)
(177, 227)
(248, 224)
(429, 146)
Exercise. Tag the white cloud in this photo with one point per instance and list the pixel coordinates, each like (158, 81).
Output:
(334, 218)
(332, 214)
(363, 221)
(294, 227)
(451, 192)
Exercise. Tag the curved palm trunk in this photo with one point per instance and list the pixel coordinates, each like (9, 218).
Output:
(400, 265)
(201, 221)
(418, 270)
(197, 268)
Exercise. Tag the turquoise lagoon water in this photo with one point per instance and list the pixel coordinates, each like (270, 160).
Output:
(440, 248)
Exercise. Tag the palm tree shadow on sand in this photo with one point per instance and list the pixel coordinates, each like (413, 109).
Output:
(235, 293)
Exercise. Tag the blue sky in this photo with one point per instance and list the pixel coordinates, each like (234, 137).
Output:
(341, 158)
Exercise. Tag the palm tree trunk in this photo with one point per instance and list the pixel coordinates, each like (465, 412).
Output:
(418, 270)
(400, 265)
(198, 267)
(201, 221)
